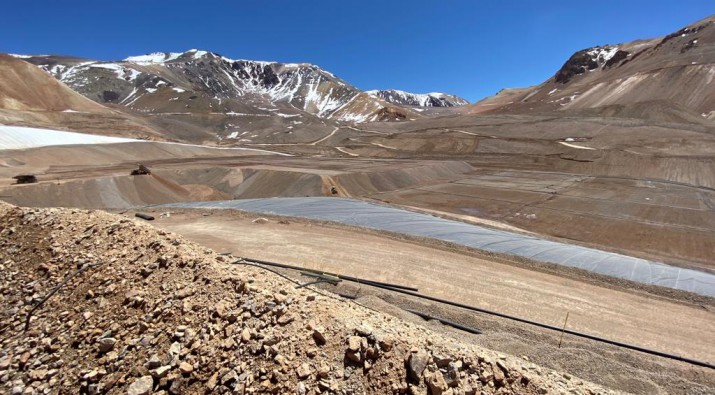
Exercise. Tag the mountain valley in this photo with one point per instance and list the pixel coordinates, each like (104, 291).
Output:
(614, 154)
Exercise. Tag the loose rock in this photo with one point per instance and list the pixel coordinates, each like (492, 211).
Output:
(141, 386)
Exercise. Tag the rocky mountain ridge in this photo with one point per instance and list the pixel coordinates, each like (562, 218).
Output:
(672, 71)
(202, 81)
(432, 99)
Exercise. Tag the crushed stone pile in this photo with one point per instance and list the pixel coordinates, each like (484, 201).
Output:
(117, 306)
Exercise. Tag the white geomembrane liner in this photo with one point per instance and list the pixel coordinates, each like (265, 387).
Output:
(375, 216)
(17, 137)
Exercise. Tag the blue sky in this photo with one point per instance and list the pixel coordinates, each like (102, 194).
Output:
(469, 48)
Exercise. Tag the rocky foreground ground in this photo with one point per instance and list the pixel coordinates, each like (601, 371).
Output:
(137, 310)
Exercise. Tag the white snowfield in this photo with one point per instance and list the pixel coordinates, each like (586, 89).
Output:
(156, 57)
(17, 137)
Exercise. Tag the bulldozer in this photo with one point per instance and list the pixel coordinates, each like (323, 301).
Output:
(141, 170)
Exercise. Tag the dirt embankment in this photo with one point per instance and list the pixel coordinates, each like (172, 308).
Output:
(102, 175)
(138, 311)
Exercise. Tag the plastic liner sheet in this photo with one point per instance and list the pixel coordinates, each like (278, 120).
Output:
(20, 137)
(382, 217)
(17, 137)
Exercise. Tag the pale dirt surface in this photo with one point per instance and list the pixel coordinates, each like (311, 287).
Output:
(624, 315)
(470, 219)
(138, 310)
(664, 220)
(71, 162)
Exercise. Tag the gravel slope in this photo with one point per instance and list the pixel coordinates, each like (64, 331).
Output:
(142, 311)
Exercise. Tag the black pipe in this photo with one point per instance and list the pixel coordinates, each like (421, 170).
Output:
(318, 281)
(328, 279)
(525, 321)
(348, 278)
(144, 216)
(446, 322)
(555, 328)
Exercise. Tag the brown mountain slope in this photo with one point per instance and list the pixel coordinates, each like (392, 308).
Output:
(31, 97)
(25, 87)
(677, 69)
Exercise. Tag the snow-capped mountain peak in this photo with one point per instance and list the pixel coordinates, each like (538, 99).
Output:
(432, 99)
(208, 76)
(156, 57)
(589, 59)
(164, 57)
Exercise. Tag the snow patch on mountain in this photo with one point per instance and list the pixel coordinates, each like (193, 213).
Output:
(19, 56)
(197, 54)
(110, 66)
(164, 57)
(69, 74)
(601, 55)
(120, 71)
(155, 57)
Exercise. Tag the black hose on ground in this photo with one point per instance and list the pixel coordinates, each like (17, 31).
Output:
(404, 290)
(555, 328)
(429, 317)
(324, 278)
(445, 322)
(340, 276)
